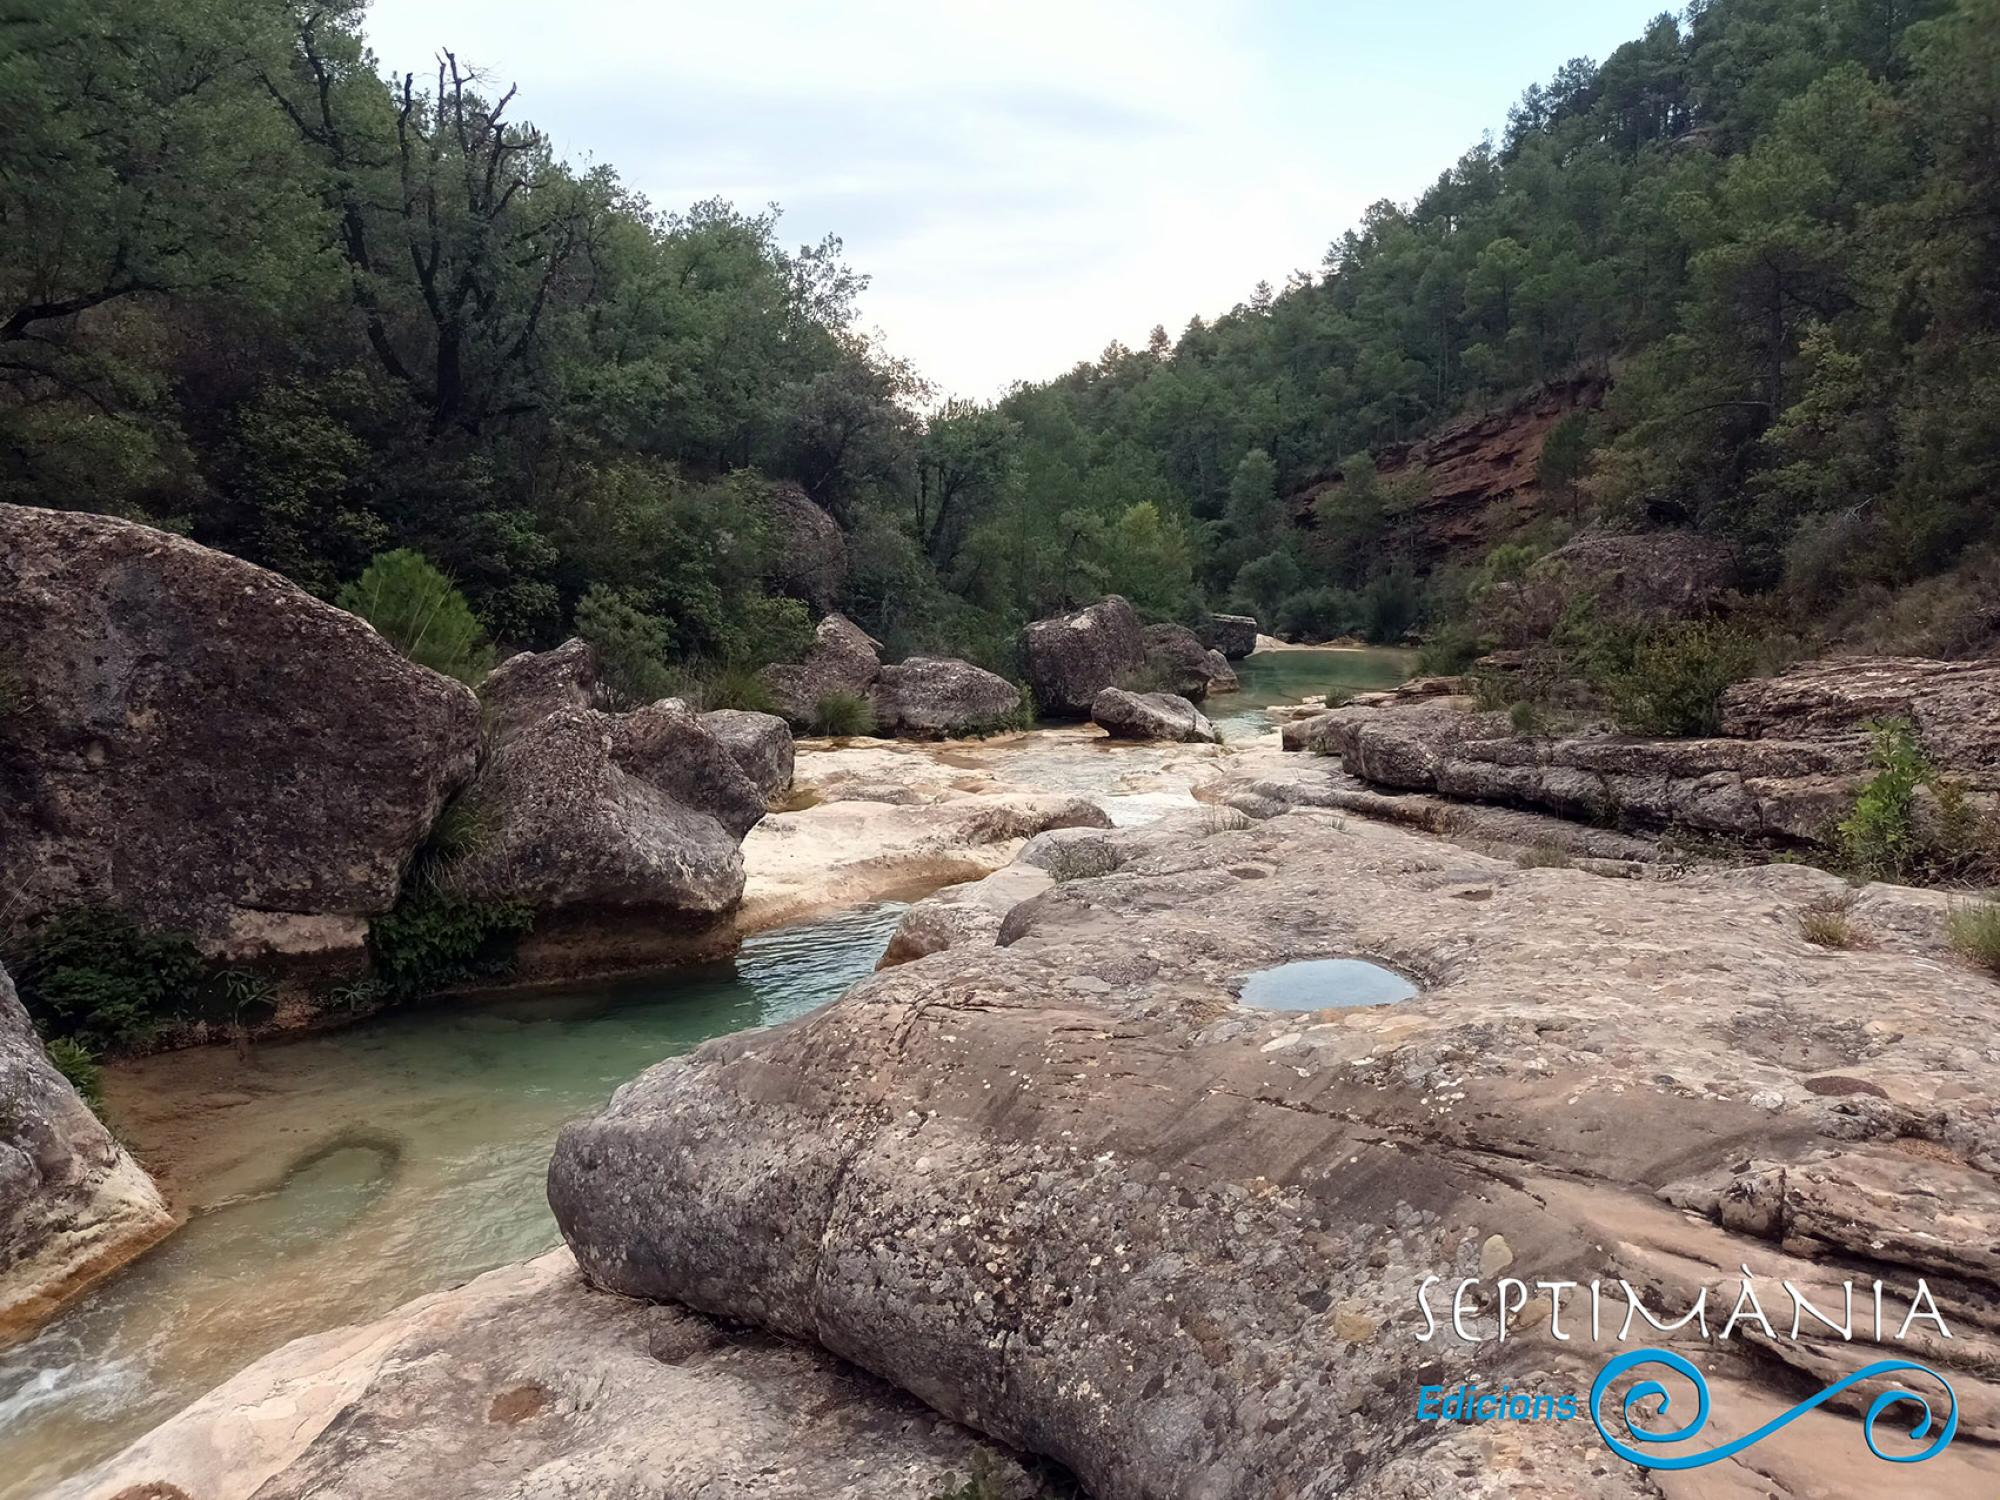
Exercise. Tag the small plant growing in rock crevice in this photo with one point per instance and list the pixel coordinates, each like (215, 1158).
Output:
(79, 1065)
(1544, 856)
(1974, 932)
(1828, 923)
(1911, 822)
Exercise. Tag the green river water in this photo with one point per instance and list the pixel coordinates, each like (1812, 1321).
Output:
(343, 1174)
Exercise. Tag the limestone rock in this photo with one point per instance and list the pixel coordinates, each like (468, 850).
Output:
(526, 1382)
(1182, 664)
(204, 745)
(761, 744)
(1072, 658)
(73, 1205)
(1221, 676)
(1068, 1188)
(1235, 636)
(842, 659)
(809, 549)
(929, 695)
(1150, 716)
(1954, 707)
(531, 685)
(581, 810)
(1672, 574)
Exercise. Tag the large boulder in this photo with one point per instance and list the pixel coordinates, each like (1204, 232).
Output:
(73, 1205)
(930, 695)
(1065, 1185)
(1072, 658)
(593, 815)
(1181, 664)
(205, 746)
(1670, 574)
(1235, 636)
(1150, 716)
(759, 743)
(807, 543)
(534, 684)
(842, 659)
(526, 1383)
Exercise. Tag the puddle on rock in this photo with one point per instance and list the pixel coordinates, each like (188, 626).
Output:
(1325, 984)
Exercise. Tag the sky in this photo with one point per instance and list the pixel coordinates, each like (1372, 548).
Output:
(1023, 182)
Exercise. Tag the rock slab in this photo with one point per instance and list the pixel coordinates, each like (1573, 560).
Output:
(1151, 716)
(942, 697)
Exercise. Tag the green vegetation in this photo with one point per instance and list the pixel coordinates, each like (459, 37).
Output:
(1912, 823)
(97, 978)
(734, 685)
(79, 1065)
(1674, 681)
(1828, 923)
(1975, 934)
(434, 939)
(415, 608)
(841, 714)
(1544, 856)
(377, 331)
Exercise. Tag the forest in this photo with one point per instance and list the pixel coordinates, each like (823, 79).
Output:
(370, 327)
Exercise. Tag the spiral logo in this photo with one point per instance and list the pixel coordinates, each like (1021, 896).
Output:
(1624, 1444)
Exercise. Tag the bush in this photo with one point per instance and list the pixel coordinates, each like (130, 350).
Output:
(631, 647)
(1879, 838)
(843, 714)
(1975, 934)
(79, 1065)
(1526, 718)
(735, 686)
(415, 609)
(93, 976)
(1677, 676)
(1543, 856)
(1318, 614)
(1449, 650)
(434, 939)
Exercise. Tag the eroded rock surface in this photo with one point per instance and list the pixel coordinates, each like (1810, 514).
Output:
(1795, 751)
(1072, 658)
(73, 1204)
(942, 696)
(1062, 1186)
(528, 1383)
(1183, 665)
(1150, 716)
(204, 745)
(760, 743)
(1235, 636)
(843, 659)
(809, 547)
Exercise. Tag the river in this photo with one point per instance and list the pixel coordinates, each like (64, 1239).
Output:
(334, 1177)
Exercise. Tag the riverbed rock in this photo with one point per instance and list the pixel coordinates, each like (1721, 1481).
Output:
(203, 745)
(761, 744)
(942, 697)
(1795, 753)
(1235, 636)
(842, 659)
(531, 685)
(525, 1382)
(631, 818)
(807, 545)
(1072, 658)
(73, 1205)
(1180, 663)
(1066, 1188)
(1150, 716)
(1222, 677)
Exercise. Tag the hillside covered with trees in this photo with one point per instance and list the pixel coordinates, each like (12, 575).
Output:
(256, 288)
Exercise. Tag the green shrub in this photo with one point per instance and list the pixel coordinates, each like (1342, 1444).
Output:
(79, 1065)
(415, 608)
(1449, 650)
(96, 977)
(1318, 614)
(1975, 934)
(735, 686)
(434, 938)
(1526, 718)
(1828, 925)
(1879, 838)
(843, 714)
(631, 647)
(1677, 676)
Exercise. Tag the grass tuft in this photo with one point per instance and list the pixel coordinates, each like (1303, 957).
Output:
(1975, 934)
